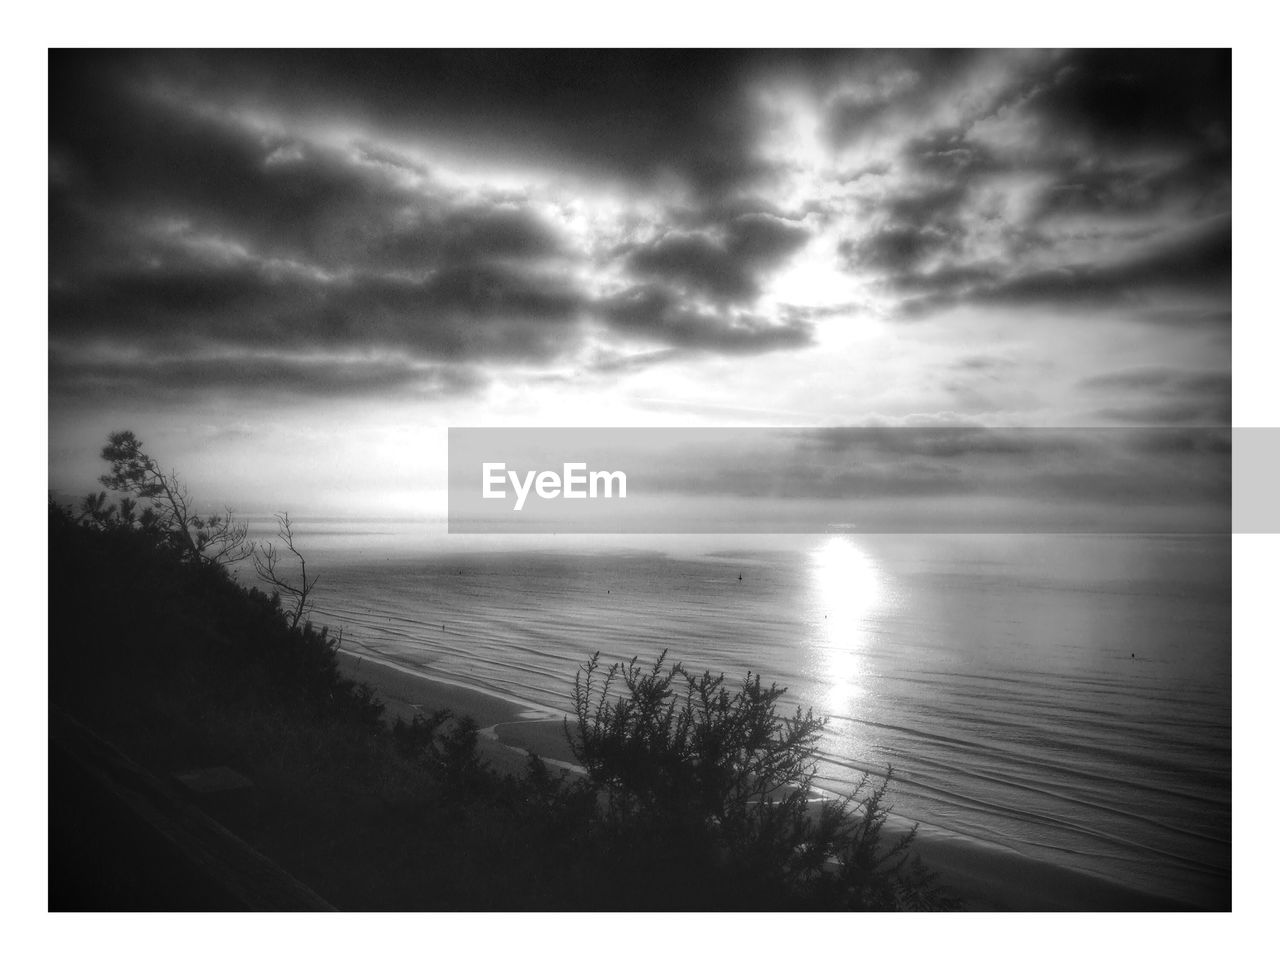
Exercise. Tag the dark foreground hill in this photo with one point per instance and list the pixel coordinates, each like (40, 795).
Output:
(205, 754)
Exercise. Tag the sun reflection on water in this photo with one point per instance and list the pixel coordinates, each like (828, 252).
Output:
(848, 588)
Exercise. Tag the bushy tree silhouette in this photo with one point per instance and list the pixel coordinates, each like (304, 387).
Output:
(215, 538)
(720, 776)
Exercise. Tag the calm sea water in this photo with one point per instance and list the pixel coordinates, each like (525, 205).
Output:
(1066, 697)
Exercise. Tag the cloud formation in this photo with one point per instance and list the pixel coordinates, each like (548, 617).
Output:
(1064, 180)
(1168, 397)
(424, 221)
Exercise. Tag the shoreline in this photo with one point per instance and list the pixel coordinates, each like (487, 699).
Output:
(986, 876)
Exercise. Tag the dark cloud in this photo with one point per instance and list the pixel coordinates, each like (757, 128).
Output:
(1142, 98)
(1169, 412)
(982, 363)
(1086, 189)
(994, 203)
(725, 264)
(927, 289)
(164, 162)
(175, 225)
(196, 202)
(634, 114)
(917, 232)
(793, 313)
(1192, 317)
(472, 313)
(950, 154)
(1201, 262)
(1167, 396)
(1197, 265)
(611, 363)
(881, 91)
(1160, 378)
(655, 313)
(252, 378)
(898, 249)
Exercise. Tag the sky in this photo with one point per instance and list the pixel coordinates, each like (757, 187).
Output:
(291, 271)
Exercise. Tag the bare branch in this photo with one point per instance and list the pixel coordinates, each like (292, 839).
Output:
(267, 562)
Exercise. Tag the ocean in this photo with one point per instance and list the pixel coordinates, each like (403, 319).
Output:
(1064, 697)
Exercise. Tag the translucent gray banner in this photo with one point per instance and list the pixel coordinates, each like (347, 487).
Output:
(1171, 480)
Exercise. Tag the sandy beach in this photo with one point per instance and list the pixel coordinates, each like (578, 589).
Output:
(986, 876)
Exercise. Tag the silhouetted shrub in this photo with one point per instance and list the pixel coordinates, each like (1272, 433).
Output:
(708, 785)
(448, 745)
